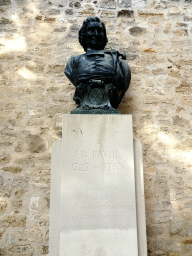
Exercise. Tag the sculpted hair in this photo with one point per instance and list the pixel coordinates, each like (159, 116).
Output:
(82, 31)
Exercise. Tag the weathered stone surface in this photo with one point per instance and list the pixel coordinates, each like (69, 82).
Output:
(187, 241)
(125, 13)
(5, 2)
(118, 219)
(3, 251)
(20, 192)
(55, 68)
(149, 14)
(16, 220)
(35, 143)
(12, 169)
(160, 253)
(2, 230)
(154, 230)
(181, 32)
(186, 230)
(69, 11)
(22, 250)
(37, 39)
(16, 203)
(174, 10)
(173, 254)
(108, 4)
(108, 14)
(44, 249)
(175, 228)
(4, 21)
(3, 205)
(77, 4)
(136, 31)
(180, 121)
(124, 3)
(35, 66)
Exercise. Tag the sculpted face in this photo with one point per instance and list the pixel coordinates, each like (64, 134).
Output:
(94, 35)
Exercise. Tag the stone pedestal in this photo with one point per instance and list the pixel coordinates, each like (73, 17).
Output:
(97, 198)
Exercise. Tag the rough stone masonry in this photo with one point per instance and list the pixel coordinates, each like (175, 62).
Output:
(37, 39)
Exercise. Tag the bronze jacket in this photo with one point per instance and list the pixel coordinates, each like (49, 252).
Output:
(106, 66)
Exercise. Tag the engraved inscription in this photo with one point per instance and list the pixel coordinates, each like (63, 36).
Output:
(113, 167)
(98, 226)
(84, 154)
(106, 154)
(80, 167)
(99, 195)
(85, 167)
(103, 207)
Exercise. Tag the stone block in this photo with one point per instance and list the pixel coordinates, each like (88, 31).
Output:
(12, 169)
(173, 254)
(149, 14)
(82, 214)
(99, 207)
(107, 14)
(44, 249)
(173, 246)
(161, 181)
(180, 121)
(160, 253)
(25, 249)
(17, 203)
(161, 217)
(3, 205)
(137, 31)
(188, 242)
(2, 251)
(160, 245)
(16, 220)
(153, 230)
(69, 11)
(5, 2)
(5, 21)
(35, 143)
(181, 32)
(77, 4)
(125, 13)
(124, 3)
(175, 228)
(2, 230)
(55, 68)
(174, 10)
(186, 230)
(108, 4)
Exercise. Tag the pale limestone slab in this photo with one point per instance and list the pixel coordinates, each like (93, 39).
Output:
(97, 213)
(140, 198)
(54, 228)
(98, 209)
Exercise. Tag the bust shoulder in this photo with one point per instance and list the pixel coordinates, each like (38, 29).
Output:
(75, 59)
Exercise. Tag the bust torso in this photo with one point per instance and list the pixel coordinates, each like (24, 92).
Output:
(94, 64)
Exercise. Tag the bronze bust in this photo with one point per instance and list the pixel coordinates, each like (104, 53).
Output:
(101, 78)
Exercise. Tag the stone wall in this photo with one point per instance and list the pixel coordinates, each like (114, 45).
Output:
(37, 39)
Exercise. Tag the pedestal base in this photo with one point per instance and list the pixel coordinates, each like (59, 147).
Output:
(97, 198)
(110, 111)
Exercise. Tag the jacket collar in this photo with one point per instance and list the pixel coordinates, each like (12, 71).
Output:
(94, 52)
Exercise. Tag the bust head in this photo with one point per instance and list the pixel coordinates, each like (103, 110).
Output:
(93, 34)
